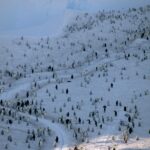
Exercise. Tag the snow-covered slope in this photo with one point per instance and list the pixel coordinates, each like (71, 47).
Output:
(89, 87)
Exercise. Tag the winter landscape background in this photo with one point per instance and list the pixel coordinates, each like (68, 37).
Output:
(48, 17)
(75, 74)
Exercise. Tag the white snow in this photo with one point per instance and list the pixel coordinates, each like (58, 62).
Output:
(63, 62)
